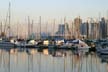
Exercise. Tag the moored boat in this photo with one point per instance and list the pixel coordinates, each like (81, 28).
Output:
(103, 48)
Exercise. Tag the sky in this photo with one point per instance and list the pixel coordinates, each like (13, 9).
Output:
(20, 9)
(50, 10)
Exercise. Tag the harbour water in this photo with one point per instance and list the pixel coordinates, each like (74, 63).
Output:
(30, 60)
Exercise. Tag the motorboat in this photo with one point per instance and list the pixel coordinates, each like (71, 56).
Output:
(6, 44)
(103, 48)
(80, 45)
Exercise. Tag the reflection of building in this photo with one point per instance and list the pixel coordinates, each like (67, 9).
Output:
(77, 22)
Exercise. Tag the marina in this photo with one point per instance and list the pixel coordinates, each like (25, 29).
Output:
(53, 36)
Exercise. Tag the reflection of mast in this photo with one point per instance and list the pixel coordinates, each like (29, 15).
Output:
(39, 62)
(30, 63)
(64, 64)
(8, 61)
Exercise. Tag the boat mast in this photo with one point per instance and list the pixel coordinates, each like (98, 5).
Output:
(28, 26)
(46, 30)
(72, 33)
(9, 17)
(64, 27)
(53, 29)
(1, 27)
(5, 24)
(87, 29)
(40, 26)
(32, 27)
(99, 25)
(17, 34)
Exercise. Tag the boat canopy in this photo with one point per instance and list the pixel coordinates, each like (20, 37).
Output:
(78, 42)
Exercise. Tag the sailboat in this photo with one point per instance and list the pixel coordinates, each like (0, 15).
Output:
(6, 42)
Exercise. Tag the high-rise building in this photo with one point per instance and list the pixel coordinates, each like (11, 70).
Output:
(90, 29)
(61, 30)
(107, 27)
(83, 29)
(103, 28)
(77, 22)
(67, 31)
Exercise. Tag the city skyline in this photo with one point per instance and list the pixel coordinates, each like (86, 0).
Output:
(52, 14)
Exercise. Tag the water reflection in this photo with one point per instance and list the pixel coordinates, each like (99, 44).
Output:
(30, 60)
